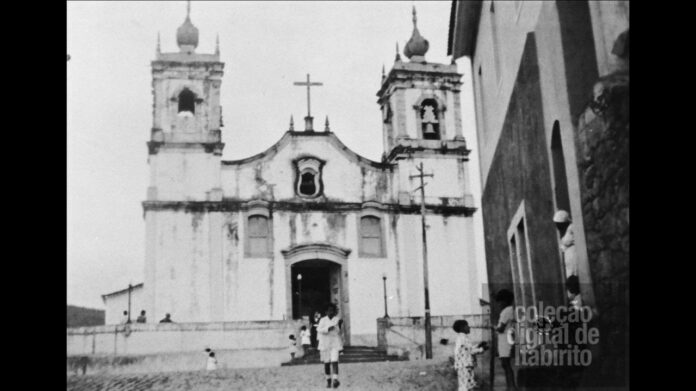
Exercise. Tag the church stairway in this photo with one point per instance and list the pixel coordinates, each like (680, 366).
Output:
(350, 354)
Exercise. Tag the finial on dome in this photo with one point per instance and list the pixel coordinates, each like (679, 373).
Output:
(159, 47)
(383, 74)
(292, 124)
(398, 56)
(187, 33)
(217, 44)
(417, 46)
(326, 124)
(188, 9)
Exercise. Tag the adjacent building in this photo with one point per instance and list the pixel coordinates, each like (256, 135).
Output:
(551, 90)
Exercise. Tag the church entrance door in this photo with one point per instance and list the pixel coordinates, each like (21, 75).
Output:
(324, 271)
(315, 284)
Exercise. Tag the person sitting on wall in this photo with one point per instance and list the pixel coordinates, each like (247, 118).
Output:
(141, 318)
(167, 319)
(565, 230)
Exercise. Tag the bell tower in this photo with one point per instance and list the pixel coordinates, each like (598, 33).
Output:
(422, 123)
(420, 102)
(185, 142)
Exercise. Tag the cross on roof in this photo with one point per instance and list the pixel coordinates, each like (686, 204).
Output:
(308, 83)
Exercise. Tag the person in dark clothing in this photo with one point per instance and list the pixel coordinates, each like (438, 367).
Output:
(141, 318)
(313, 328)
(167, 319)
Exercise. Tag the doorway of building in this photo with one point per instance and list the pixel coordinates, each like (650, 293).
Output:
(315, 284)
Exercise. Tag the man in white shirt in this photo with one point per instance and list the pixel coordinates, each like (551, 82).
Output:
(330, 344)
(565, 229)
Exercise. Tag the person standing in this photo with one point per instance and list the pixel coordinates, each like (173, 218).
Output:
(330, 343)
(505, 329)
(313, 328)
(465, 355)
(305, 340)
(212, 363)
(141, 318)
(564, 225)
(292, 346)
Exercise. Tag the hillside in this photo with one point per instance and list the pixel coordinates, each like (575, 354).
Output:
(81, 316)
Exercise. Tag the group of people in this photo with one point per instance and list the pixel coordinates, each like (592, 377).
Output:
(125, 319)
(326, 335)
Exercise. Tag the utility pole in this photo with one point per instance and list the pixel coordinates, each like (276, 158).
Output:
(130, 289)
(384, 282)
(428, 328)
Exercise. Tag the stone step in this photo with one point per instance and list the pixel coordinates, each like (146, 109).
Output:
(350, 354)
(344, 360)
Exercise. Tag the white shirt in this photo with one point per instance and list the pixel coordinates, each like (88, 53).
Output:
(212, 364)
(329, 339)
(568, 248)
(304, 337)
(507, 319)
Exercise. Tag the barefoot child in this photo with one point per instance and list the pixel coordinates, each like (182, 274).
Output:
(465, 355)
(305, 340)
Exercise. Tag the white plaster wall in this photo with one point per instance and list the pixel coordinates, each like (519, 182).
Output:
(450, 178)
(115, 305)
(180, 266)
(273, 177)
(182, 174)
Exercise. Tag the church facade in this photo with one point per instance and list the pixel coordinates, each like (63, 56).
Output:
(280, 234)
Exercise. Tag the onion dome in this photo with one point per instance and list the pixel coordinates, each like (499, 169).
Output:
(187, 33)
(417, 46)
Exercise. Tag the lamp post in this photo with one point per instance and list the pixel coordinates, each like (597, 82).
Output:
(299, 298)
(384, 283)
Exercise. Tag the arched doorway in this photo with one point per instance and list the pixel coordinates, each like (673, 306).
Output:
(315, 284)
(324, 272)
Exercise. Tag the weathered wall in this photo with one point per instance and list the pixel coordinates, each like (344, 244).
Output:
(182, 282)
(520, 172)
(148, 347)
(603, 162)
(405, 336)
(345, 177)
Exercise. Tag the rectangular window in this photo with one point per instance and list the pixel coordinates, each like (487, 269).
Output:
(520, 259)
(371, 237)
(258, 236)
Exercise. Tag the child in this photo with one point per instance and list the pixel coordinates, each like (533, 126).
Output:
(464, 355)
(212, 361)
(306, 341)
(330, 344)
(292, 347)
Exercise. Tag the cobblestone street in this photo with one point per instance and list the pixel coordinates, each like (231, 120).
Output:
(383, 376)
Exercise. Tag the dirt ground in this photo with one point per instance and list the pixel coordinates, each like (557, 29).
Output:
(435, 374)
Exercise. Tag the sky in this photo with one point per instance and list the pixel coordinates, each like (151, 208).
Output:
(266, 46)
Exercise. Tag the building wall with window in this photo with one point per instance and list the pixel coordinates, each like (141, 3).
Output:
(551, 82)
